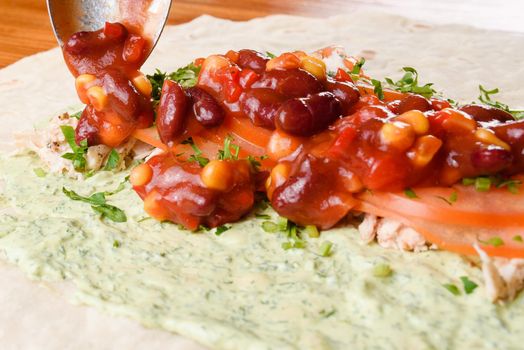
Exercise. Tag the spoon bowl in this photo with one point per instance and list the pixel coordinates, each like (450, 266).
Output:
(71, 16)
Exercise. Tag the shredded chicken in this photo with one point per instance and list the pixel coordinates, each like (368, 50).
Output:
(503, 278)
(50, 144)
(391, 234)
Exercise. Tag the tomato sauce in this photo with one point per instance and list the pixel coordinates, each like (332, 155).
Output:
(327, 136)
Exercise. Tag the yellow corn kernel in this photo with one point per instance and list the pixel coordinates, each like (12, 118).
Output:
(314, 66)
(418, 121)
(281, 145)
(141, 175)
(97, 97)
(458, 121)
(142, 84)
(398, 135)
(489, 137)
(82, 83)
(424, 150)
(218, 175)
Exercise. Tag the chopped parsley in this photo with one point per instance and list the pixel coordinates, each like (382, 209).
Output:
(410, 193)
(270, 54)
(326, 248)
(112, 161)
(289, 229)
(495, 241)
(382, 270)
(226, 153)
(518, 238)
(453, 289)
(409, 83)
(76, 115)
(378, 88)
(197, 157)
(39, 172)
(221, 229)
(469, 286)
(357, 68)
(99, 204)
(186, 76)
(485, 98)
(79, 150)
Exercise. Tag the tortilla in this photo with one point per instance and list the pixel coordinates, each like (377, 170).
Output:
(455, 58)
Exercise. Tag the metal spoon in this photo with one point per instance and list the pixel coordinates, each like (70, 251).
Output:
(71, 16)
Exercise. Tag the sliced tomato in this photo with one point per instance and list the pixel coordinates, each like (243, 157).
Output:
(457, 205)
(461, 239)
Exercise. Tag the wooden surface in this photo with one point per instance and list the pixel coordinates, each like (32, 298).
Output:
(25, 27)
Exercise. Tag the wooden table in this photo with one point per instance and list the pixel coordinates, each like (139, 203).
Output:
(25, 27)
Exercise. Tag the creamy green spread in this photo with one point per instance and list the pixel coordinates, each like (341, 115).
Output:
(241, 290)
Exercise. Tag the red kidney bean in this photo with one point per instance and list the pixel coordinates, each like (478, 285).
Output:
(261, 106)
(346, 92)
(171, 111)
(486, 113)
(207, 110)
(308, 115)
(512, 132)
(86, 128)
(253, 60)
(412, 102)
(290, 82)
(491, 160)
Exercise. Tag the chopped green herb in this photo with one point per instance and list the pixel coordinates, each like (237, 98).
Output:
(453, 289)
(518, 238)
(382, 270)
(116, 244)
(201, 228)
(410, 193)
(482, 184)
(40, 172)
(469, 286)
(485, 97)
(112, 161)
(468, 181)
(197, 157)
(325, 248)
(512, 185)
(186, 76)
(76, 115)
(358, 66)
(270, 227)
(452, 198)
(79, 150)
(226, 153)
(312, 231)
(99, 205)
(255, 164)
(409, 83)
(263, 216)
(493, 241)
(270, 54)
(221, 229)
(378, 88)
(327, 313)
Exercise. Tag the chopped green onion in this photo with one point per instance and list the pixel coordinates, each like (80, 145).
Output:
(493, 241)
(518, 238)
(382, 270)
(482, 184)
(40, 172)
(270, 227)
(410, 193)
(312, 231)
(325, 248)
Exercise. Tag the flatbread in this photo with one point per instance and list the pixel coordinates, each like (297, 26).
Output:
(455, 58)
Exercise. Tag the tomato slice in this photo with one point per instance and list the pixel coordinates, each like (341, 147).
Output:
(461, 239)
(457, 205)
